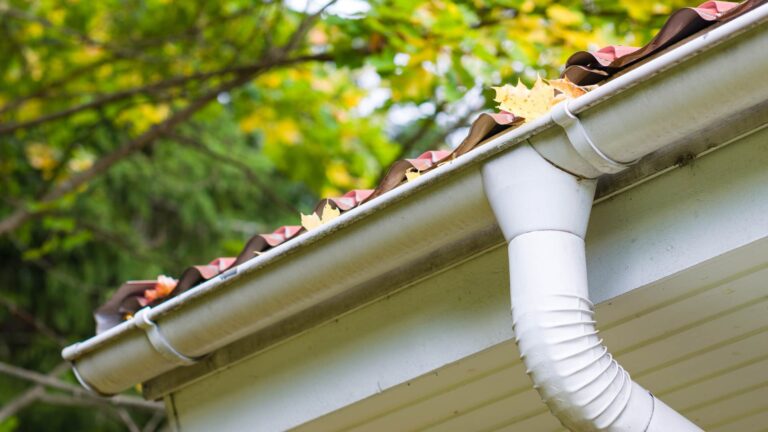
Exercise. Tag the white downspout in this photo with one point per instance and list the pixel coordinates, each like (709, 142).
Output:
(543, 212)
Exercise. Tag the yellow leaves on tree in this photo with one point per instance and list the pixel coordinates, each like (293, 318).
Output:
(310, 222)
(337, 172)
(250, 123)
(278, 131)
(80, 161)
(538, 100)
(565, 16)
(143, 116)
(42, 157)
(46, 159)
(644, 10)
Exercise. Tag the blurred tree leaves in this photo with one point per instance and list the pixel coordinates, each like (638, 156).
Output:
(140, 136)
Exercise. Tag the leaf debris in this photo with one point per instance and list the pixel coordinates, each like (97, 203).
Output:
(532, 103)
(314, 220)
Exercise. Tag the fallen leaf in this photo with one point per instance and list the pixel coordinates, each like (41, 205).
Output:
(310, 222)
(163, 288)
(532, 103)
(567, 88)
(523, 102)
(412, 174)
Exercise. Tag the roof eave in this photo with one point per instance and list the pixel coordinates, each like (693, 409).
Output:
(446, 210)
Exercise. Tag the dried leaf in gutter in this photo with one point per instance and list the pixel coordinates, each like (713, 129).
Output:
(523, 102)
(538, 100)
(412, 174)
(163, 288)
(310, 222)
(567, 88)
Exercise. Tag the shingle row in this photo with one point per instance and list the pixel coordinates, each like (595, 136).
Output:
(582, 68)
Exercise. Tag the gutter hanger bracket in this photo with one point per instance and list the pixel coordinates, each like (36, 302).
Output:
(159, 342)
(85, 383)
(582, 143)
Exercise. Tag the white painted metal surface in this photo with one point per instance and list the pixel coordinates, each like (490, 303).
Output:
(683, 307)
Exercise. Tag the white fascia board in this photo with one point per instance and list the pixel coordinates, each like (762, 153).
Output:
(445, 208)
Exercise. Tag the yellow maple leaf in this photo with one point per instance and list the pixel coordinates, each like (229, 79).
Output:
(314, 220)
(329, 213)
(310, 221)
(523, 102)
(538, 100)
(564, 15)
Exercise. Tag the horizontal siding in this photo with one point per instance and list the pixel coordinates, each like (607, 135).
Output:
(704, 352)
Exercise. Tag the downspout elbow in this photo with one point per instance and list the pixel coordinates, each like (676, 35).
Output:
(543, 212)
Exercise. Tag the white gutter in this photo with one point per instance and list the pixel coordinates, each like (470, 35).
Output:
(621, 121)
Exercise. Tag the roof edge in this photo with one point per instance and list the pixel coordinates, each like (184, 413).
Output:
(299, 275)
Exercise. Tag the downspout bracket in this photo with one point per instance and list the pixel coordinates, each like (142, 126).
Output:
(582, 143)
(159, 342)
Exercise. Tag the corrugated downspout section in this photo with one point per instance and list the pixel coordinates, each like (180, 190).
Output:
(576, 376)
(555, 330)
(543, 213)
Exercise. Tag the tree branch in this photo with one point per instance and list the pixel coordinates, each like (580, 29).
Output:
(38, 394)
(78, 392)
(127, 420)
(153, 88)
(19, 14)
(244, 168)
(426, 125)
(303, 28)
(243, 74)
(153, 423)
(30, 319)
(22, 214)
(30, 396)
(19, 403)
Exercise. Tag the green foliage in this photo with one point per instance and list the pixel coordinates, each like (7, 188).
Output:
(9, 425)
(105, 178)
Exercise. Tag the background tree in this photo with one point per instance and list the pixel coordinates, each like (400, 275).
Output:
(140, 136)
